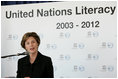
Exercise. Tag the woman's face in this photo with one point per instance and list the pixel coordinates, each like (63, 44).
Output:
(31, 45)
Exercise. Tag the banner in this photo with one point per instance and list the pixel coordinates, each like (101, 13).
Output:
(80, 37)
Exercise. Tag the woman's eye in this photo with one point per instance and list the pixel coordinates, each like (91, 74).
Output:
(27, 43)
(33, 41)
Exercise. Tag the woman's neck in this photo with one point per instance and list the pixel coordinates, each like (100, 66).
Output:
(33, 57)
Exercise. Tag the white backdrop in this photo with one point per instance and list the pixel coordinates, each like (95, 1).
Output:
(76, 52)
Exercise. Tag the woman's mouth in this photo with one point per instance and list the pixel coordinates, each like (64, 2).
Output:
(31, 49)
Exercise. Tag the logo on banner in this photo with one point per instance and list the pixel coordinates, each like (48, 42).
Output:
(12, 37)
(78, 45)
(107, 45)
(80, 68)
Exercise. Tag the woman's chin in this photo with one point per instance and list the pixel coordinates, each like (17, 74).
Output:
(32, 52)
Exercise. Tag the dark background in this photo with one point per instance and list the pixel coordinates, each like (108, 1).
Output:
(3, 3)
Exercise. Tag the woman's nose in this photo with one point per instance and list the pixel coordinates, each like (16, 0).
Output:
(31, 44)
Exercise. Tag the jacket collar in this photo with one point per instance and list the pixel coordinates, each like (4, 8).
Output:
(38, 58)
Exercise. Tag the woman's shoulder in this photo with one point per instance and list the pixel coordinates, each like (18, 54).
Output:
(44, 57)
(23, 59)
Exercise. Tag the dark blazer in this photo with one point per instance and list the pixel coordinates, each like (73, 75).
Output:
(41, 68)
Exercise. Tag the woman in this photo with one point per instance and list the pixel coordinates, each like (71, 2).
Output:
(34, 65)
